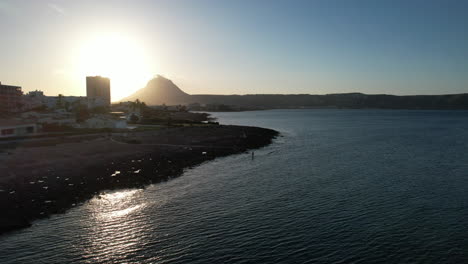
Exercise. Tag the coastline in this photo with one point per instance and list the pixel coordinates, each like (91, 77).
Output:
(40, 180)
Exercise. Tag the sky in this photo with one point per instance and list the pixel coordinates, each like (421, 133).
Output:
(401, 47)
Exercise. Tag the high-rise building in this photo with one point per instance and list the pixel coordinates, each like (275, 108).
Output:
(10, 98)
(98, 90)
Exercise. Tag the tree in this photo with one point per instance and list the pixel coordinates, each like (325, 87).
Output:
(67, 106)
(134, 118)
(181, 108)
(59, 103)
(81, 113)
(138, 105)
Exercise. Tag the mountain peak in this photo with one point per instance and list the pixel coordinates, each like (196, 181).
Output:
(162, 78)
(159, 90)
(159, 79)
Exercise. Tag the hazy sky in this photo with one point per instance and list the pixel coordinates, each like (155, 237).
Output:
(237, 47)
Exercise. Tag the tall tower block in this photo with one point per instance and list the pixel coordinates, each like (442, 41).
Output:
(98, 89)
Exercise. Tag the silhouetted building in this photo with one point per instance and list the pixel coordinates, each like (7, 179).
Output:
(36, 93)
(98, 90)
(33, 99)
(10, 98)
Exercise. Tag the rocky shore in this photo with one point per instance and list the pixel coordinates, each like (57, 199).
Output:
(38, 179)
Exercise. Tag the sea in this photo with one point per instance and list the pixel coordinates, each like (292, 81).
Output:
(338, 186)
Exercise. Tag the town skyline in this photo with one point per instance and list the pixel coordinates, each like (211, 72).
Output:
(402, 48)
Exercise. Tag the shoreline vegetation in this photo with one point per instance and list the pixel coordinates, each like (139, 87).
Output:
(48, 176)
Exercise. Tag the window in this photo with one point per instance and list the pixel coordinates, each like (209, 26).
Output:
(8, 131)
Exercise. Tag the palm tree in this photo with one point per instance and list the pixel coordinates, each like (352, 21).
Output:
(59, 103)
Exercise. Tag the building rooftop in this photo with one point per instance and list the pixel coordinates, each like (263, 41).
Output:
(15, 122)
(11, 86)
(97, 76)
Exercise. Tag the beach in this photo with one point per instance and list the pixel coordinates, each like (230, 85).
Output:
(49, 176)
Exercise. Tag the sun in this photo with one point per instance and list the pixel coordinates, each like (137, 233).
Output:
(119, 58)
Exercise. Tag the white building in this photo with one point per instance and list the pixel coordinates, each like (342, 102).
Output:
(16, 128)
(37, 98)
(32, 100)
(58, 118)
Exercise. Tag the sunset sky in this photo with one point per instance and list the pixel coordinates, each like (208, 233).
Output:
(237, 47)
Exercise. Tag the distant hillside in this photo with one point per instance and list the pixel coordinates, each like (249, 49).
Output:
(161, 90)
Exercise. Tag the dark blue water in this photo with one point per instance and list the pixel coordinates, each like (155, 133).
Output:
(340, 186)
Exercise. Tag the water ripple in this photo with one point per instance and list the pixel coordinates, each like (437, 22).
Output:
(339, 187)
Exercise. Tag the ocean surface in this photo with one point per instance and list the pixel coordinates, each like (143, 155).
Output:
(339, 186)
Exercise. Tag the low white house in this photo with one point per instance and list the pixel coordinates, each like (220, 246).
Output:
(16, 128)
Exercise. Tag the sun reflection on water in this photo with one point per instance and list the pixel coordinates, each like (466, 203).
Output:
(115, 225)
(121, 213)
(118, 197)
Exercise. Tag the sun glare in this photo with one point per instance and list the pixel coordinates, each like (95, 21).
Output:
(119, 58)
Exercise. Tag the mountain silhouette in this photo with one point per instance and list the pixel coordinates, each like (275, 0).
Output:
(163, 91)
(158, 91)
